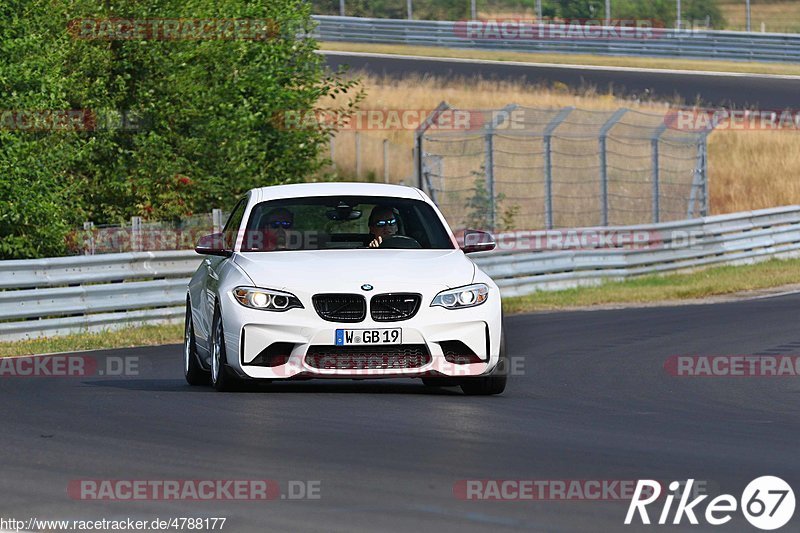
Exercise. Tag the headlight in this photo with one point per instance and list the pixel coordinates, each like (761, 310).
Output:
(468, 296)
(266, 299)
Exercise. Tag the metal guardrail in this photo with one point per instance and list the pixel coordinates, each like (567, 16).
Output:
(47, 297)
(92, 293)
(737, 238)
(698, 44)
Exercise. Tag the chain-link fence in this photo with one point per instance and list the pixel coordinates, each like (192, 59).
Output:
(371, 157)
(527, 168)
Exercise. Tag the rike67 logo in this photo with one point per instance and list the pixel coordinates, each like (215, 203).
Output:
(767, 503)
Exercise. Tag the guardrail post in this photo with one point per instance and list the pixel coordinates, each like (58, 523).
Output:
(548, 164)
(216, 220)
(136, 234)
(333, 151)
(604, 165)
(656, 172)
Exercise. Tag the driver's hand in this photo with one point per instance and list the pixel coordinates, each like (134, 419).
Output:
(376, 242)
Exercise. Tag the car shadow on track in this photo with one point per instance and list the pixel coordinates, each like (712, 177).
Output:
(365, 387)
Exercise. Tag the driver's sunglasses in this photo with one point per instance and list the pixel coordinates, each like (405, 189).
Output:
(382, 223)
(285, 224)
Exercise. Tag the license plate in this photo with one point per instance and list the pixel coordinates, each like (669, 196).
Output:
(346, 337)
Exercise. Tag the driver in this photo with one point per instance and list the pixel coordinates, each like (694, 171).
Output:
(278, 223)
(382, 224)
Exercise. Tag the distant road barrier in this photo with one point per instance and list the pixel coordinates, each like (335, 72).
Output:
(694, 44)
(48, 297)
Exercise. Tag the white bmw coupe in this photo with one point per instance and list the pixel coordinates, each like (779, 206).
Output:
(343, 280)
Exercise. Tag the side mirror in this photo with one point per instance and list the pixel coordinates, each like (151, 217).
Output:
(213, 244)
(477, 241)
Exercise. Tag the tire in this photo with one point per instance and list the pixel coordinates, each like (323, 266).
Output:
(192, 371)
(222, 379)
(495, 383)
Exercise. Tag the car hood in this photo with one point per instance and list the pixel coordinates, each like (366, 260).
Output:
(315, 271)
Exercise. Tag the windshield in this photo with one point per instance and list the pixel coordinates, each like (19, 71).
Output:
(335, 223)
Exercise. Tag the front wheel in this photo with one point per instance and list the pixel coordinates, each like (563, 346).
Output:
(192, 371)
(221, 377)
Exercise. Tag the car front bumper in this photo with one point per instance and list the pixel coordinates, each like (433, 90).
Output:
(248, 332)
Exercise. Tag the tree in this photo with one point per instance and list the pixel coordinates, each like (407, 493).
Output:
(207, 113)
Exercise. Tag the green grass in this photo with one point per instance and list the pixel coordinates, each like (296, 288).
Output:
(120, 338)
(572, 59)
(715, 281)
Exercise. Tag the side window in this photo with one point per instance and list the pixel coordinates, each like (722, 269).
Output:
(233, 224)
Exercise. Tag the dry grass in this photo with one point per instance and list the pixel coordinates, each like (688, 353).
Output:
(777, 16)
(753, 170)
(747, 169)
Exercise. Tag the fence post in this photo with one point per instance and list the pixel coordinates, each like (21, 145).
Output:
(136, 234)
(386, 160)
(419, 165)
(489, 169)
(656, 172)
(333, 151)
(88, 227)
(216, 220)
(548, 164)
(604, 165)
(699, 179)
(497, 119)
(704, 171)
(358, 155)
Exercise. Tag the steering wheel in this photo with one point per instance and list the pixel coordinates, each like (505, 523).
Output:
(399, 241)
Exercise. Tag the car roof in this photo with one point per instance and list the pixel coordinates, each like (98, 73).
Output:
(298, 190)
